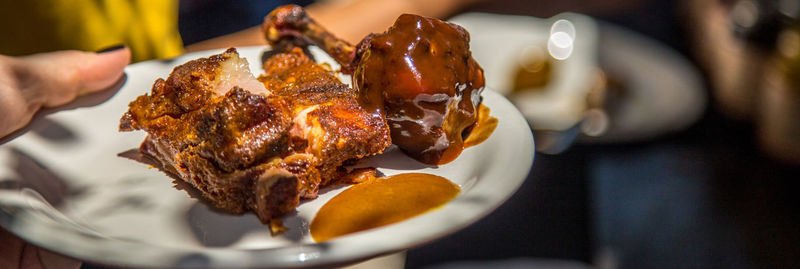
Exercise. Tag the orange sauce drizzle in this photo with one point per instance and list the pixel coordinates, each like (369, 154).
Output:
(484, 127)
(381, 201)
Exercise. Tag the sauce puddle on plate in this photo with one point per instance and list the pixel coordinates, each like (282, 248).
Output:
(381, 201)
(483, 128)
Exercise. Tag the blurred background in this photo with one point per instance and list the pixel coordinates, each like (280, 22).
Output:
(647, 176)
(667, 132)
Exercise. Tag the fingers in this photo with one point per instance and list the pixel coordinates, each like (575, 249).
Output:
(58, 77)
(11, 248)
(103, 70)
(35, 257)
(16, 106)
(52, 79)
(15, 253)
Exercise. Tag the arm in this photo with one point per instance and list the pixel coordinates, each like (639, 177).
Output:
(350, 20)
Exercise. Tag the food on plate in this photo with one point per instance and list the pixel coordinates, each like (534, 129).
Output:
(249, 147)
(419, 75)
(261, 144)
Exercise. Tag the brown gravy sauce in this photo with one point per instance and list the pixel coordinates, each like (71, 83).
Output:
(381, 201)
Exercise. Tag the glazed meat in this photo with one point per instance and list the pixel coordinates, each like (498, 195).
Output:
(255, 144)
(419, 74)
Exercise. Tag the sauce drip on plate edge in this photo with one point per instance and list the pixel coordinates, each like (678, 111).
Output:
(483, 128)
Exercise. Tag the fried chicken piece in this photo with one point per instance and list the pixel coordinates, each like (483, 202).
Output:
(248, 145)
(329, 123)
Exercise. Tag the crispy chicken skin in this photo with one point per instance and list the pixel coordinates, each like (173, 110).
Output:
(329, 123)
(250, 144)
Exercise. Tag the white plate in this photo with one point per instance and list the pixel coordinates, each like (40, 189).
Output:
(64, 187)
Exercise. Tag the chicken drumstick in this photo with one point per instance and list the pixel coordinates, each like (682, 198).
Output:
(419, 74)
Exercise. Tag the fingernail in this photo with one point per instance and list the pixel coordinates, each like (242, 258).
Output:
(111, 48)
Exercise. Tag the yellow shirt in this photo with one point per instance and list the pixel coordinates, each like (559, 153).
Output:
(148, 27)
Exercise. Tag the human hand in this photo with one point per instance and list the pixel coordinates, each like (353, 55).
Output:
(29, 83)
(15, 253)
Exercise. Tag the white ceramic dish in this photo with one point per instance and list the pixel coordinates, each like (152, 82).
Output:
(65, 187)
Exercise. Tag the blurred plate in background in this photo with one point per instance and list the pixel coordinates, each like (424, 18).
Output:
(614, 85)
(562, 48)
(652, 90)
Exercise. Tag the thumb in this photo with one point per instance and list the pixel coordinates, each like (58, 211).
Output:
(63, 75)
